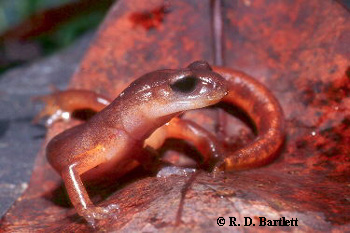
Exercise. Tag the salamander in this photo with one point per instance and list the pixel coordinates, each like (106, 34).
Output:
(115, 136)
(145, 114)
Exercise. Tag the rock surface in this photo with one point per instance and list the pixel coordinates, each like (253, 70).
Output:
(20, 140)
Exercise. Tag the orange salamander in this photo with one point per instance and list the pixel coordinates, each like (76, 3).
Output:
(144, 115)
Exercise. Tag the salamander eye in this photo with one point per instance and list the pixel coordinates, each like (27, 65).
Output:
(185, 85)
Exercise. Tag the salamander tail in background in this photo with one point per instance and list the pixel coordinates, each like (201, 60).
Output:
(266, 113)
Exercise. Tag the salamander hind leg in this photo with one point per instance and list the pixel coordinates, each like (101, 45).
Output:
(200, 138)
(60, 105)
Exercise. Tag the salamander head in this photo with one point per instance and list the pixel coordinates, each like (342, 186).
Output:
(156, 97)
(167, 92)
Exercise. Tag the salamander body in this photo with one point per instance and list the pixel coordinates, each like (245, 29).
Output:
(145, 114)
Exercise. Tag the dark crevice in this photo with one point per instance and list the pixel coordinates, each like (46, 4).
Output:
(4, 126)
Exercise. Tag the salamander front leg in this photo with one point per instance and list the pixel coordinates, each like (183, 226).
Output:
(80, 198)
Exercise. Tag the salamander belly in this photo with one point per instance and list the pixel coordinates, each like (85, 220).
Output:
(117, 155)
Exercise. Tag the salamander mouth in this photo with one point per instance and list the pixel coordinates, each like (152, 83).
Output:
(210, 99)
(218, 94)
